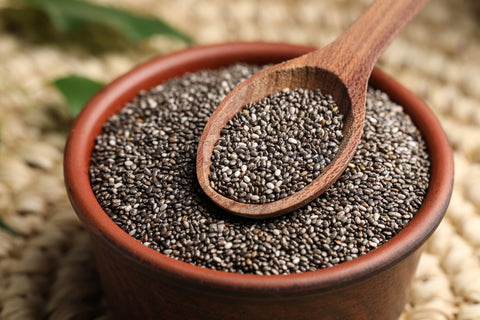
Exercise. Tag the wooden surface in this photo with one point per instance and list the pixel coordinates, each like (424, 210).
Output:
(340, 69)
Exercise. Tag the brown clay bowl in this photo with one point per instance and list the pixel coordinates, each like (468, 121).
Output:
(140, 283)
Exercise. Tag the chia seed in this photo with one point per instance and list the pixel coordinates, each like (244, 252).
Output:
(143, 175)
(286, 139)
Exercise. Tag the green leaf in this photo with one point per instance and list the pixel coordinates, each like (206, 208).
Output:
(5, 227)
(71, 14)
(77, 91)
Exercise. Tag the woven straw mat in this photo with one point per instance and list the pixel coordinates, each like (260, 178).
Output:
(47, 270)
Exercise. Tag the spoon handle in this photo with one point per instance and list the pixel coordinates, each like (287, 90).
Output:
(364, 41)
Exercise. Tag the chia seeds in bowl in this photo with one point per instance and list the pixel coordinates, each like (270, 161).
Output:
(143, 175)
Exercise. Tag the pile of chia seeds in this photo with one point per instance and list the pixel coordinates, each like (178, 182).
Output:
(275, 147)
(143, 175)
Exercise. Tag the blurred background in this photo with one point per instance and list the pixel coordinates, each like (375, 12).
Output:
(46, 267)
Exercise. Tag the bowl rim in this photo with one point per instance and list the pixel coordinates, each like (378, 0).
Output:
(114, 95)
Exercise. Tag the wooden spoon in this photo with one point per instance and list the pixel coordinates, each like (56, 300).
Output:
(341, 69)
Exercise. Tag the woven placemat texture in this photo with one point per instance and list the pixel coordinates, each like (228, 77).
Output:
(47, 270)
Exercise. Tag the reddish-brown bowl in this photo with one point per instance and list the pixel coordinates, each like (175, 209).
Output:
(140, 283)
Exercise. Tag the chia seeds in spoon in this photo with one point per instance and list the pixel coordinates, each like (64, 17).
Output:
(143, 175)
(273, 148)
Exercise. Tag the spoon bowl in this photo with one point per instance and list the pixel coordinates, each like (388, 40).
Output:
(342, 70)
(267, 82)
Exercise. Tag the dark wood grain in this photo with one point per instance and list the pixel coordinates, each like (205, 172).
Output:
(341, 69)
